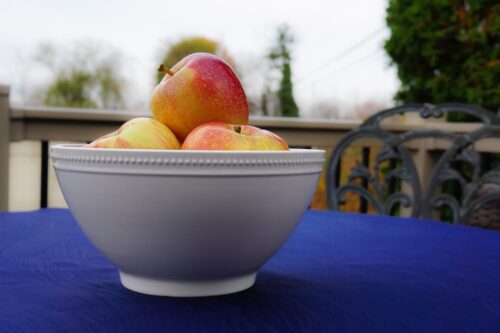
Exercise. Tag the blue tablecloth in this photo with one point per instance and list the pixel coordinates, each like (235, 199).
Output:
(337, 273)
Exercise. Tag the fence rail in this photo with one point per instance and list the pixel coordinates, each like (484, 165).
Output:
(45, 124)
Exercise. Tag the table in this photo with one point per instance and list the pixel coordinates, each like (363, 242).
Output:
(337, 273)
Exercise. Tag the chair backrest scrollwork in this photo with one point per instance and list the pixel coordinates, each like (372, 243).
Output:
(394, 147)
(463, 151)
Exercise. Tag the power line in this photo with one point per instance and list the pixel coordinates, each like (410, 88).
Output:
(342, 69)
(348, 66)
(340, 55)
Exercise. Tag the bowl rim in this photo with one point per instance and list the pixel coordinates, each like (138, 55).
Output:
(80, 147)
(74, 157)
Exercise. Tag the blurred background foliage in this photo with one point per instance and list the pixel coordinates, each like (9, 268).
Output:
(281, 59)
(446, 52)
(276, 99)
(185, 46)
(85, 74)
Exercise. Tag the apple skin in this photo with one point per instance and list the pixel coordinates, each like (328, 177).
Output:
(203, 88)
(223, 136)
(138, 133)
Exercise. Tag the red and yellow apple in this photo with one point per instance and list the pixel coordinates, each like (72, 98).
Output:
(223, 136)
(201, 88)
(138, 133)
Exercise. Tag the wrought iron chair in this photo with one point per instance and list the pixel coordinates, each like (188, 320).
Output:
(423, 198)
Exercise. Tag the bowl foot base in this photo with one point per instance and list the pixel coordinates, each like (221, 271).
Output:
(160, 287)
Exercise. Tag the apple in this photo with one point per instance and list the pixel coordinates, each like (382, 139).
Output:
(139, 133)
(223, 136)
(201, 88)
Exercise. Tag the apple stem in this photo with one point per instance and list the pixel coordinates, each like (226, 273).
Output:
(237, 129)
(165, 70)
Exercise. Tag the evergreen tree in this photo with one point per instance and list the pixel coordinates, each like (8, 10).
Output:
(281, 58)
(446, 51)
(285, 93)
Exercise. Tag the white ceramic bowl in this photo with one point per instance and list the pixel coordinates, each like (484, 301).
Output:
(187, 223)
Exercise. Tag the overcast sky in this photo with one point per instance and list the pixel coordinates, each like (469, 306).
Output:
(141, 30)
